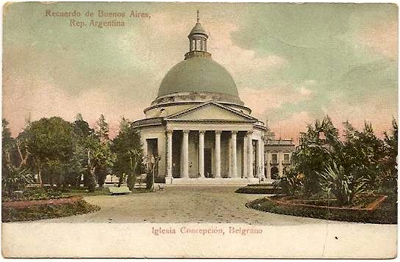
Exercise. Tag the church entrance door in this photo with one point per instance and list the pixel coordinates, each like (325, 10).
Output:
(207, 162)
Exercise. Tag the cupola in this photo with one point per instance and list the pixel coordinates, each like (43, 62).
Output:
(197, 41)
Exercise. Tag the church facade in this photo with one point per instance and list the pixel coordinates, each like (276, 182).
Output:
(200, 132)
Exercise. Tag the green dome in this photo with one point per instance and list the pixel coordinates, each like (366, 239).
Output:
(198, 29)
(198, 74)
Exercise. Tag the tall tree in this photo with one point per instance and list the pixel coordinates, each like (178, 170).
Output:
(316, 149)
(102, 129)
(362, 153)
(103, 152)
(7, 143)
(127, 146)
(388, 178)
(51, 141)
(78, 165)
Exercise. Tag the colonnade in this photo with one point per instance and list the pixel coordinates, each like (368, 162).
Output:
(248, 161)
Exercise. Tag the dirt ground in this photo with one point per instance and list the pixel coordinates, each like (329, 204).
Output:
(182, 204)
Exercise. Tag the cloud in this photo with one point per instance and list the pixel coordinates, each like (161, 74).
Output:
(290, 127)
(266, 101)
(291, 63)
(49, 100)
(304, 91)
(381, 38)
(375, 109)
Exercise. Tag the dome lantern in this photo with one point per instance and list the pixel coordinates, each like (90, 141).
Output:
(197, 41)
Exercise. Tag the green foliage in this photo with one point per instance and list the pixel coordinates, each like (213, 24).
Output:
(291, 183)
(345, 166)
(128, 149)
(47, 211)
(317, 147)
(93, 152)
(388, 178)
(362, 153)
(7, 142)
(102, 129)
(15, 178)
(37, 193)
(259, 189)
(51, 141)
(344, 186)
(385, 214)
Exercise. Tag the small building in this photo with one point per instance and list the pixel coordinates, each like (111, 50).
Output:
(278, 156)
(200, 131)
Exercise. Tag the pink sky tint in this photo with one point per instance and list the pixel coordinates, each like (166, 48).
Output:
(382, 38)
(143, 55)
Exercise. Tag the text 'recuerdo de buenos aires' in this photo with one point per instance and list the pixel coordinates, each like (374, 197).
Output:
(109, 19)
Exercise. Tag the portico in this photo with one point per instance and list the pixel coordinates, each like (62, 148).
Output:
(195, 145)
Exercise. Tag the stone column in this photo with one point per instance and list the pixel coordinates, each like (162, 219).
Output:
(250, 154)
(185, 154)
(169, 155)
(262, 160)
(234, 154)
(280, 166)
(201, 153)
(245, 171)
(230, 157)
(217, 154)
(268, 155)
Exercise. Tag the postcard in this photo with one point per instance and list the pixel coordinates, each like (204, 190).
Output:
(199, 130)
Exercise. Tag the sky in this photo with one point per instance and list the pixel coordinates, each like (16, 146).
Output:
(292, 63)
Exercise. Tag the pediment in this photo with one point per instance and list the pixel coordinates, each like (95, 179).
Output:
(211, 111)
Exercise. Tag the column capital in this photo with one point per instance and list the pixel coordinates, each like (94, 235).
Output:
(202, 132)
(234, 132)
(218, 132)
(186, 131)
(169, 131)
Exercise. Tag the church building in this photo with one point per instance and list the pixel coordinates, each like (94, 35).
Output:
(200, 131)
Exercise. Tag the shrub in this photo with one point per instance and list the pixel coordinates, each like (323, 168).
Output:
(15, 178)
(46, 211)
(386, 213)
(343, 185)
(291, 183)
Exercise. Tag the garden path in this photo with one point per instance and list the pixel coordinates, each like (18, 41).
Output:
(182, 204)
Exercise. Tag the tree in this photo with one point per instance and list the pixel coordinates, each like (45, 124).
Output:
(128, 149)
(102, 129)
(100, 158)
(104, 150)
(362, 153)
(7, 143)
(51, 141)
(15, 178)
(388, 178)
(342, 184)
(85, 140)
(316, 149)
(344, 167)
